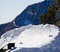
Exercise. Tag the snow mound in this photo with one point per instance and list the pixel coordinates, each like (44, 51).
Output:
(37, 36)
(30, 36)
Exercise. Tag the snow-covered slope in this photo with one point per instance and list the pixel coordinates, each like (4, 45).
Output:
(30, 36)
(30, 15)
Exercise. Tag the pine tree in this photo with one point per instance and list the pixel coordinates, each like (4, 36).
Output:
(50, 16)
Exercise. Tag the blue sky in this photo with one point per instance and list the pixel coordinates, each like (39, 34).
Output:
(9, 9)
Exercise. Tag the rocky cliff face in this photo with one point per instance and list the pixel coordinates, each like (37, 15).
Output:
(31, 14)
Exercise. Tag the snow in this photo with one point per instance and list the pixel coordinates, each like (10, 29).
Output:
(30, 36)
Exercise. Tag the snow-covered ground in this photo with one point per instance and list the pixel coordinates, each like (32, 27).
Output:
(31, 36)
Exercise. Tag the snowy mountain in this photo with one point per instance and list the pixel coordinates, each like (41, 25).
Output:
(29, 16)
(28, 31)
(31, 36)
